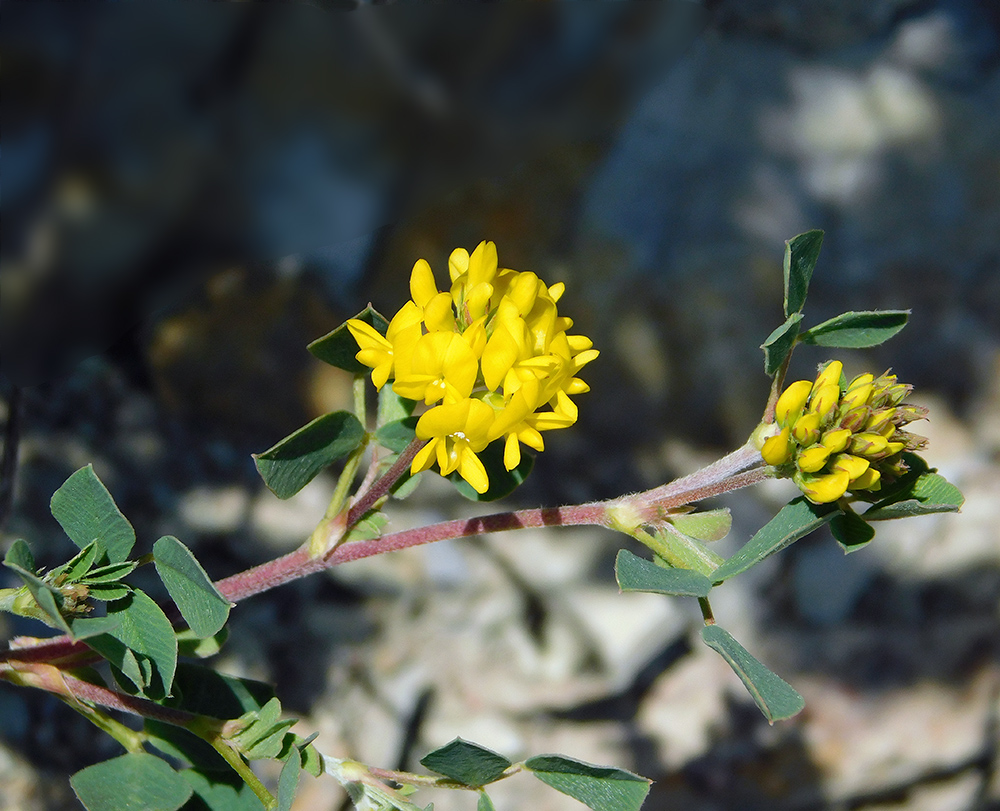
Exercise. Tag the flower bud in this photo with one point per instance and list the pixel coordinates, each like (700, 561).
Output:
(866, 444)
(806, 429)
(824, 401)
(791, 402)
(777, 450)
(836, 441)
(812, 459)
(823, 489)
(853, 466)
(830, 376)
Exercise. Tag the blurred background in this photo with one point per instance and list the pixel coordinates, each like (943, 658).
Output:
(193, 192)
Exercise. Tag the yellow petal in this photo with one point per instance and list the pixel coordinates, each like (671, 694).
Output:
(458, 263)
(511, 452)
(438, 314)
(777, 450)
(830, 376)
(852, 465)
(812, 459)
(422, 285)
(806, 429)
(823, 489)
(482, 265)
(824, 401)
(472, 470)
(424, 458)
(791, 402)
(869, 480)
(836, 441)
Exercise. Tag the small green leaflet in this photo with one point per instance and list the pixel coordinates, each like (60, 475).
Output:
(396, 435)
(136, 780)
(857, 330)
(196, 597)
(779, 344)
(288, 780)
(635, 574)
(220, 792)
(601, 788)
(708, 526)
(801, 254)
(851, 531)
(338, 347)
(467, 763)
(928, 493)
(795, 520)
(86, 512)
(776, 698)
(142, 646)
(294, 462)
(264, 733)
(485, 803)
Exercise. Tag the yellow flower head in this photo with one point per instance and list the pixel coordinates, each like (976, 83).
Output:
(835, 437)
(491, 355)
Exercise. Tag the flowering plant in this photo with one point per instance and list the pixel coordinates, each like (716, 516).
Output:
(476, 372)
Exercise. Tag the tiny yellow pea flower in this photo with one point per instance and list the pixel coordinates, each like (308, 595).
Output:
(867, 444)
(830, 376)
(812, 459)
(777, 450)
(806, 429)
(853, 466)
(836, 441)
(869, 480)
(823, 489)
(824, 401)
(791, 401)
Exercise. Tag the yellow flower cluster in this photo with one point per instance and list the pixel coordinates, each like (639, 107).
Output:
(834, 439)
(491, 355)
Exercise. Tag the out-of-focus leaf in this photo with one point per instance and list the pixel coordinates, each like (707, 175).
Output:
(132, 781)
(851, 531)
(502, 481)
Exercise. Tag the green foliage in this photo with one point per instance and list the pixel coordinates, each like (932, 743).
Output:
(485, 803)
(795, 520)
(263, 733)
(503, 482)
(142, 647)
(707, 525)
(220, 791)
(635, 574)
(134, 780)
(396, 435)
(921, 491)
(338, 347)
(779, 344)
(601, 788)
(86, 512)
(801, 254)
(196, 597)
(467, 763)
(288, 780)
(857, 330)
(851, 531)
(772, 694)
(294, 462)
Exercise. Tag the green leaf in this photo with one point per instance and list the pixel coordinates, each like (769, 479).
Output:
(392, 407)
(368, 528)
(397, 435)
(851, 531)
(601, 788)
(143, 646)
(136, 780)
(111, 573)
(19, 555)
(711, 525)
(86, 627)
(467, 763)
(857, 330)
(79, 565)
(221, 791)
(263, 735)
(338, 347)
(776, 698)
(502, 481)
(189, 644)
(204, 609)
(86, 512)
(51, 603)
(485, 803)
(801, 253)
(294, 461)
(778, 345)
(107, 592)
(288, 780)
(204, 691)
(924, 494)
(635, 574)
(795, 520)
